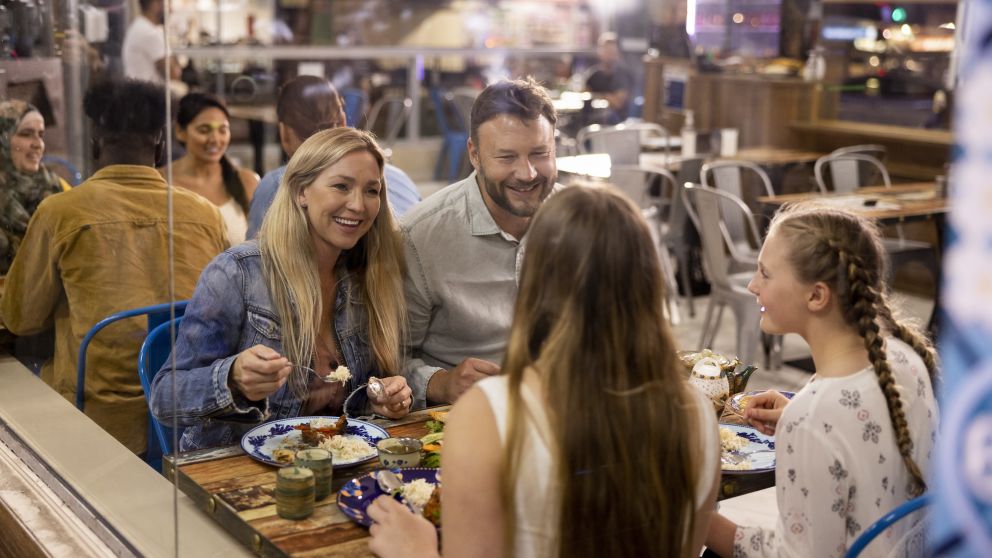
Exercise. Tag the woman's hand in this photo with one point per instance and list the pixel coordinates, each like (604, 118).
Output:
(763, 411)
(258, 372)
(396, 398)
(397, 531)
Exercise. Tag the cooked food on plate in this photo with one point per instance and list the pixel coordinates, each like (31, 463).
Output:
(340, 374)
(731, 442)
(317, 430)
(283, 455)
(423, 497)
(329, 434)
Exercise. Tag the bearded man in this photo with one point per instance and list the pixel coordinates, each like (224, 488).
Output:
(464, 244)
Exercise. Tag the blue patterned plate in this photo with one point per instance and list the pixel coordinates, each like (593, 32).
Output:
(356, 495)
(760, 448)
(260, 442)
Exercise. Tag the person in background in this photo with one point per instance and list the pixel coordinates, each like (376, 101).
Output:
(463, 244)
(610, 80)
(203, 127)
(143, 52)
(103, 247)
(529, 470)
(271, 318)
(856, 441)
(306, 105)
(24, 180)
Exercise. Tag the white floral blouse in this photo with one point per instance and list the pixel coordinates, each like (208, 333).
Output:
(838, 469)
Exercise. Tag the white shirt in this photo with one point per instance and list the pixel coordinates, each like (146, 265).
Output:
(838, 469)
(235, 221)
(144, 45)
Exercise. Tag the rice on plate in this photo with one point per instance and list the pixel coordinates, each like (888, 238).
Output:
(347, 448)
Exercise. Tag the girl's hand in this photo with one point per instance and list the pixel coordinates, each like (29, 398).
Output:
(396, 398)
(258, 372)
(397, 531)
(763, 411)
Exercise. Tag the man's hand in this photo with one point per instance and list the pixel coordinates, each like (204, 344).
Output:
(763, 411)
(396, 399)
(258, 372)
(465, 375)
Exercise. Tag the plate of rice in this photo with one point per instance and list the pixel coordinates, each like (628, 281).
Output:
(276, 442)
(746, 450)
(421, 492)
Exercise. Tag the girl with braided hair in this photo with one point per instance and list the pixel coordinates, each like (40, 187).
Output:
(856, 441)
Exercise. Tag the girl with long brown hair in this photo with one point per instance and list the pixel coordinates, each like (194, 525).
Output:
(591, 443)
(856, 441)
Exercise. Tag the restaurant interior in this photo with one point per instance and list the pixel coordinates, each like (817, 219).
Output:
(845, 102)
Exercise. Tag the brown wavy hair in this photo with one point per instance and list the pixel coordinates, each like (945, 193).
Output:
(845, 251)
(588, 320)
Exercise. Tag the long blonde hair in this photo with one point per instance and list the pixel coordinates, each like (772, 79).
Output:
(290, 267)
(589, 322)
(845, 251)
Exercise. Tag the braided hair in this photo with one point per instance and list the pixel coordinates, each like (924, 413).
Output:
(845, 251)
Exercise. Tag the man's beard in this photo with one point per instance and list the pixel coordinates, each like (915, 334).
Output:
(497, 192)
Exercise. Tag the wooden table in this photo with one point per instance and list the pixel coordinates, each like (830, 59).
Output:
(774, 156)
(237, 492)
(919, 200)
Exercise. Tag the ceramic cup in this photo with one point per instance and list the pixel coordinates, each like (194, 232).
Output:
(399, 452)
(294, 492)
(320, 462)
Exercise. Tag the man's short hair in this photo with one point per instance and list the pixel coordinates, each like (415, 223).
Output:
(522, 98)
(126, 112)
(145, 4)
(607, 38)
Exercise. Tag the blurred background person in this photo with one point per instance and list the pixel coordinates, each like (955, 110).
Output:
(610, 79)
(143, 52)
(203, 127)
(24, 180)
(102, 248)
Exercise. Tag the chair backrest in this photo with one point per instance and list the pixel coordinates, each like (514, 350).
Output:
(886, 521)
(706, 208)
(398, 108)
(75, 177)
(154, 352)
(845, 171)
(638, 183)
(354, 105)
(728, 176)
(156, 314)
(875, 150)
(623, 145)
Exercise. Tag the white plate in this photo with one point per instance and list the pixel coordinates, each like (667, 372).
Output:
(760, 448)
(260, 442)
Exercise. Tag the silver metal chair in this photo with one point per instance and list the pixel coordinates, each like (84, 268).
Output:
(706, 207)
(397, 109)
(900, 250)
(622, 142)
(656, 207)
(728, 176)
(846, 171)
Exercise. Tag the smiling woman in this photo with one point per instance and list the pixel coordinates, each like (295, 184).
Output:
(320, 287)
(24, 181)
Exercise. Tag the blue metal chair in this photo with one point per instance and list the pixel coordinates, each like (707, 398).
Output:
(453, 145)
(75, 177)
(354, 106)
(875, 529)
(154, 352)
(157, 314)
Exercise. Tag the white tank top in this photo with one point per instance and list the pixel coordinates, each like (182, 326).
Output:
(536, 521)
(235, 221)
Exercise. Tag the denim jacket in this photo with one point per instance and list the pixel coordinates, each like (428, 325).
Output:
(231, 311)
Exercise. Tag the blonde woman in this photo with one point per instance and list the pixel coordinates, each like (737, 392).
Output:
(321, 287)
(856, 441)
(591, 443)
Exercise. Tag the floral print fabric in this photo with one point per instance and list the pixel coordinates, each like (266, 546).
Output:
(838, 466)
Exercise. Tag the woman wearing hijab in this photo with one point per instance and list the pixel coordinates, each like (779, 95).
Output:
(24, 181)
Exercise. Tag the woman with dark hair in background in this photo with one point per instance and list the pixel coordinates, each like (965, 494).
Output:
(202, 126)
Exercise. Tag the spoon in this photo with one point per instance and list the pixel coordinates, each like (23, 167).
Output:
(326, 378)
(388, 481)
